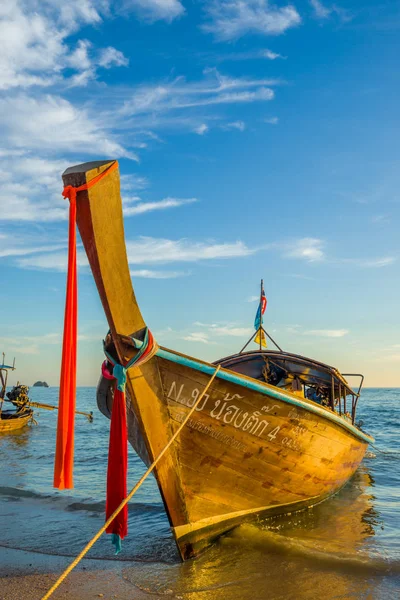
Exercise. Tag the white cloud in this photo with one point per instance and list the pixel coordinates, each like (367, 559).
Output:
(330, 333)
(31, 189)
(148, 250)
(32, 128)
(148, 274)
(321, 11)
(201, 129)
(309, 249)
(156, 10)
(180, 95)
(79, 59)
(35, 43)
(222, 330)
(250, 55)
(198, 336)
(324, 12)
(28, 344)
(133, 182)
(231, 19)
(272, 55)
(51, 261)
(372, 263)
(111, 57)
(25, 250)
(253, 298)
(272, 121)
(239, 125)
(144, 207)
(57, 125)
(231, 330)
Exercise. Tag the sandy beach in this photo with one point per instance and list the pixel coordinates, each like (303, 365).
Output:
(29, 575)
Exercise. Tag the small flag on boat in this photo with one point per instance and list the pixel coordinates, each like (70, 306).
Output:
(258, 321)
(260, 338)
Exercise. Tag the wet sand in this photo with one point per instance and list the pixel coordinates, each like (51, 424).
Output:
(29, 575)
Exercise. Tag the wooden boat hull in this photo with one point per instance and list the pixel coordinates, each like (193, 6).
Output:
(249, 450)
(14, 423)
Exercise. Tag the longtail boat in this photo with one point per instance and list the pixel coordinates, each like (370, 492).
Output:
(12, 420)
(22, 415)
(275, 433)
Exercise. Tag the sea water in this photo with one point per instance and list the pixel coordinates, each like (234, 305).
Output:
(347, 547)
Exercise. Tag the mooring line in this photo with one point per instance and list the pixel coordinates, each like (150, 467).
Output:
(130, 495)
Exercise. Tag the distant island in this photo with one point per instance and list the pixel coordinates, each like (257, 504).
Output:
(40, 384)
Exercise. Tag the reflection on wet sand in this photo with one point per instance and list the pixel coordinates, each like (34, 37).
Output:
(320, 553)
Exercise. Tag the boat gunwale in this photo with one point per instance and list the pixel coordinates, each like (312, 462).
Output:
(259, 386)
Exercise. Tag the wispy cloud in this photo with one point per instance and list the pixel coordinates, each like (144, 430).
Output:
(37, 47)
(253, 298)
(29, 344)
(263, 54)
(199, 337)
(272, 55)
(309, 249)
(271, 121)
(231, 330)
(149, 274)
(111, 57)
(54, 114)
(133, 182)
(201, 129)
(224, 329)
(321, 11)
(239, 125)
(179, 95)
(370, 263)
(156, 10)
(14, 250)
(312, 250)
(145, 207)
(231, 19)
(148, 250)
(330, 333)
(210, 333)
(51, 261)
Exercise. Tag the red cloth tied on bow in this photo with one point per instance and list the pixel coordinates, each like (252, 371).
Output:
(64, 457)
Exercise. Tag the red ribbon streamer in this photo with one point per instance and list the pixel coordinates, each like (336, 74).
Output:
(117, 466)
(64, 458)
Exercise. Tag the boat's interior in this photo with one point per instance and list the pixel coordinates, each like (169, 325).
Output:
(305, 377)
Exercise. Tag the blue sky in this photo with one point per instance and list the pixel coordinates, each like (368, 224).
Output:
(255, 140)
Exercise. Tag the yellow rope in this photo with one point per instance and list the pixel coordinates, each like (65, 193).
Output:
(131, 493)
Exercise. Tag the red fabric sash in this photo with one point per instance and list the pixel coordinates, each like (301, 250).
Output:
(64, 458)
(117, 467)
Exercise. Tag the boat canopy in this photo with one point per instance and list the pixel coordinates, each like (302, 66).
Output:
(283, 369)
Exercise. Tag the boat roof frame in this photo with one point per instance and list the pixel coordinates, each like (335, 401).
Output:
(298, 358)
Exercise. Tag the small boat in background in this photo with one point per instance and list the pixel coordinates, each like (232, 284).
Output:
(275, 432)
(12, 420)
